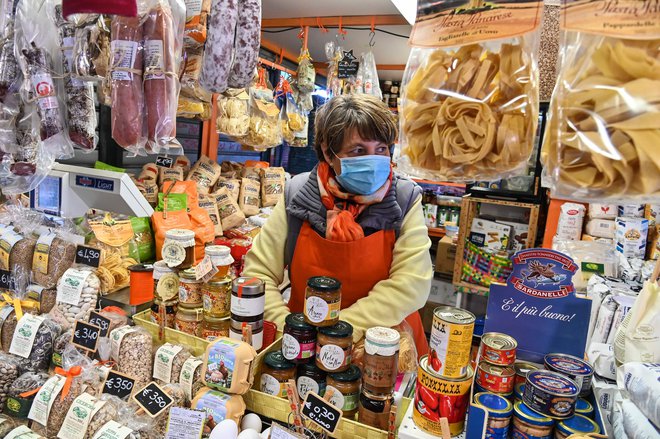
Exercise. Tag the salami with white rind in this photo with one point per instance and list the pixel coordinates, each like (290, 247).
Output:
(247, 42)
(219, 45)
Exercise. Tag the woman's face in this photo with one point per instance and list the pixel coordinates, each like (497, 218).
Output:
(355, 146)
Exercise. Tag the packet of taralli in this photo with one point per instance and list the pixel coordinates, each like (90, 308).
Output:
(604, 123)
(249, 198)
(272, 185)
(470, 90)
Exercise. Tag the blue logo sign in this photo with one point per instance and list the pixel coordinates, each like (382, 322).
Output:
(95, 183)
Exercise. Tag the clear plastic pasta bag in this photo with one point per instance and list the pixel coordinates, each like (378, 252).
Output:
(470, 91)
(603, 131)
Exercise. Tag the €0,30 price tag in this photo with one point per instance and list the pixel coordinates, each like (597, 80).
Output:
(118, 384)
(321, 412)
(152, 399)
(88, 256)
(85, 335)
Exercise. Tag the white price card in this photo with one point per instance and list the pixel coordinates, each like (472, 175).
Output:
(185, 423)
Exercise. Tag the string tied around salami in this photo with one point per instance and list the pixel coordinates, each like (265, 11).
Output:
(154, 68)
(118, 57)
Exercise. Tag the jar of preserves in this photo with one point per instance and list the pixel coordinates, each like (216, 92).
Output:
(334, 347)
(179, 248)
(248, 299)
(189, 320)
(214, 327)
(221, 258)
(236, 331)
(381, 359)
(310, 379)
(375, 408)
(529, 424)
(190, 289)
(345, 388)
(322, 301)
(275, 373)
(166, 282)
(299, 339)
(216, 297)
(162, 311)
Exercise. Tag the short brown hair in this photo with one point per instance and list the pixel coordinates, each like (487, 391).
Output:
(338, 117)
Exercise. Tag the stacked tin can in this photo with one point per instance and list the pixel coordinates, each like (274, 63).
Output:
(445, 375)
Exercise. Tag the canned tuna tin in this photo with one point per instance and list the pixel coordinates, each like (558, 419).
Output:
(450, 342)
(499, 349)
(550, 394)
(495, 378)
(518, 391)
(479, 389)
(521, 368)
(530, 425)
(576, 369)
(578, 424)
(440, 397)
(499, 414)
(584, 408)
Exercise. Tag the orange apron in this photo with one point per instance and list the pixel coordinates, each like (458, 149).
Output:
(358, 265)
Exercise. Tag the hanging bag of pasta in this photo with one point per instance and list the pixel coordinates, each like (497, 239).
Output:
(603, 131)
(470, 90)
(264, 130)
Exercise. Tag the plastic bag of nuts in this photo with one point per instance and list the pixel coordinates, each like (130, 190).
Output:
(61, 255)
(6, 425)
(77, 292)
(8, 373)
(168, 361)
(132, 350)
(35, 357)
(21, 393)
(105, 409)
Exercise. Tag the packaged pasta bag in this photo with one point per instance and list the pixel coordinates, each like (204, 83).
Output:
(604, 124)
(233, 112)
(470, 90)
(264, 128)
(192, 68)
(297, 123)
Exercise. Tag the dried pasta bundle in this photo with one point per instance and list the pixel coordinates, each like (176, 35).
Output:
(471, 113)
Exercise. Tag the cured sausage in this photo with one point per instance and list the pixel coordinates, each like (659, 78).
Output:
(219, 45)
(247, 42)
(126, 81)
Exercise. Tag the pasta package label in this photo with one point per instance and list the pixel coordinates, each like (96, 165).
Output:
(447, 23)
(634, 19)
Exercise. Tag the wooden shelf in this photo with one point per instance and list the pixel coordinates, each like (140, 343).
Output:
(436, 232)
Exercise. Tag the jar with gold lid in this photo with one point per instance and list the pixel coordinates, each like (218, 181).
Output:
(179, 249)
(214, 327)
(189, 320)
(221, 259)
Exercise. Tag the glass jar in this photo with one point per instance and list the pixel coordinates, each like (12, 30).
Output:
(248, 299)
(322, 301)
(216, 297)
(334, 346)
(299, 339)
(310, 379)
(189, 320)
(236, 331)
(221, 258)
(214, 327)
(346, 390)
(162, 311)
(530, 425)
(166, 282)
(190, 289)
(275, 373)
(381, 359)
(179, 248)
(375, 408)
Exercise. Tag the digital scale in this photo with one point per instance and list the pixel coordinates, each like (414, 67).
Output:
(70, 191)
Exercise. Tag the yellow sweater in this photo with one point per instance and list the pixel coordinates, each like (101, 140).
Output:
(387, 304)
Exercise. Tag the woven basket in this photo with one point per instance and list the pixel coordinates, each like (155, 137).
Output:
(196, 345)
(483, 268)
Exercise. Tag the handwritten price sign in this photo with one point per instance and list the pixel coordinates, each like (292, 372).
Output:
(88, 256)
(321, 412)
(152, 399)
(118, 384)
(85, 336)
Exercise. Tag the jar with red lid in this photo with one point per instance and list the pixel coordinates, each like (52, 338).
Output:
(299, 339)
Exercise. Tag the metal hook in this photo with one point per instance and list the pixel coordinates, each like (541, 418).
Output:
(372, 43)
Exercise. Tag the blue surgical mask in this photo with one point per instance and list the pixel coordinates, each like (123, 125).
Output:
(364, 175)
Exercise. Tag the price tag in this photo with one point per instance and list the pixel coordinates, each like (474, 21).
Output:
(152, 399)
(97, 319)
(321, 412)
(205, 270)
(118, 384)
(164, 162)
(88, 256)
(185, 423)
(7, 281)
(85, 335)
(348, 66)
(279, 432)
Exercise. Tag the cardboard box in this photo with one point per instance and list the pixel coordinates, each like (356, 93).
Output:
(519, 235)
(489, 234)
(442, 293)
(445, 256)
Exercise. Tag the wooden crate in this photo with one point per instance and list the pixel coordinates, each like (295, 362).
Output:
(469, 210)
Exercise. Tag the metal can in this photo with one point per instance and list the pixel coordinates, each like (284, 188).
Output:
(584, 408)
(499, 349)
(530, 425)
(499, 379)
(479, 389)
(451, 338)
(499, 414)
(573, 367)
(522, 368)
(518, 391)
(550, 394)
(440, 397)
(577, 424)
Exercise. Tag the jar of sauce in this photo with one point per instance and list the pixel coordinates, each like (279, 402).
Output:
(248, 299)
(189, 320)
(322, 301)
(334, 347)
(221, 258)
(310, 379)
(214, 327)
(375, 408)
(346, 390)
(381, 359)
(216, 297)
(179, 248)
(528, 424)
(190, 289)
(164, 312)
(166, 282)
(275, 373)
(299, 339)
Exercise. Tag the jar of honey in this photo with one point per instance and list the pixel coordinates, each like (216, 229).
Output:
(214, 327)
(221, 258)
(179, 248)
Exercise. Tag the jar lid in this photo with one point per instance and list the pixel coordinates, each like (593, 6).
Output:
(141, 268)
(213, 319)
(188, 274)
(297, 321)
(324, 283)
(167, 303)
(497, 405)
(185, 237)
(161, 268)
(219, 254)
(218, 282)
(310, 368)
(578, 424)
(196, 311)
(381, 341)
(339, 330)
(249, 286)
(530, 416)
(351, 374)
(276, 360)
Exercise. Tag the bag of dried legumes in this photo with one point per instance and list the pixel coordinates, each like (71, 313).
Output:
(132, 351)
(168, 361)
(469, 106)
(33, 342)
(604, 122)
(99, 410)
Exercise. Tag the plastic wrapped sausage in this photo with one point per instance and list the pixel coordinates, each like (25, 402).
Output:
(8, 64)
(219, 45)
(247, 42)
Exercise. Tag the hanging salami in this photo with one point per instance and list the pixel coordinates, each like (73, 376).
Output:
(247, 42)
(219, 45)
(8, 64)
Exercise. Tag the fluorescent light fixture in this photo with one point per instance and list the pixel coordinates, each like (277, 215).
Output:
(407, 8)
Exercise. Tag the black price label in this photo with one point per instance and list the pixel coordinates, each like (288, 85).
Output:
(152, 399)
(348, 66)
(321, 412)
(7, 281)
(88, 256)
(97, 319)
(85, 336)
(164, 162)
(118, 384)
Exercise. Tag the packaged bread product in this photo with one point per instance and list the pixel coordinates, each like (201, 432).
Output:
(208, 203)
(249, 198)
(272, 185)
(204, 173)
(230, 213)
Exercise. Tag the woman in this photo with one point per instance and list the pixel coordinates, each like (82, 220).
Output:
(353, 219)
